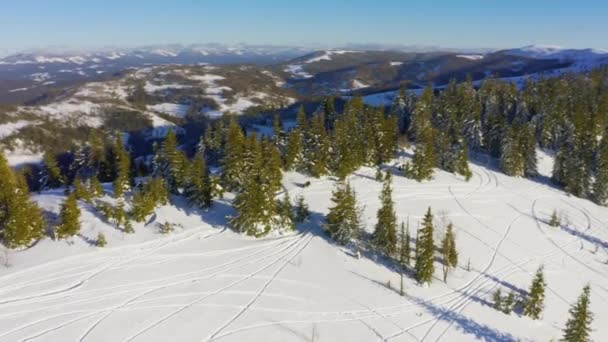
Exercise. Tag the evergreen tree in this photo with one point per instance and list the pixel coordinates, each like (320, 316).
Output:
(234, 156)
(294, 157)
(534, 306)
(555, 220)
(50, 175)
(600, 185)
(512, 160)
(302, 212)
(318, 147)
(385, 234)
(448, 252)
(151, 195)
(82, 191)
(171, 163)
(199, 188)
(343, 222)
(578, 327)
(497, 299)
(122, 162)
(101, 240)
(404, 245)
(286, 214)
(70, 218)
(21, 220)
(425, 250)
(425, 157)
(508, 303)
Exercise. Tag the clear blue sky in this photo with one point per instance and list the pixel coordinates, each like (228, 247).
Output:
(448, 23)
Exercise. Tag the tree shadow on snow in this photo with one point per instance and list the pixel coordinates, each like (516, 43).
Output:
(465, 324)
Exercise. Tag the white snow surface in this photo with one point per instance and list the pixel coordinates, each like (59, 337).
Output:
(8, 129)
(471, 57)
(204, 282)
(326, 56)
(173, 109)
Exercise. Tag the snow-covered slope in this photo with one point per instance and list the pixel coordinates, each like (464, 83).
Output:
(205, 283)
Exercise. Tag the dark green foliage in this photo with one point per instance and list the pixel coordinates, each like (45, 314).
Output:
(101, 240)
(509, 303)
(497, 300)
(343, 222)
(578, 327)
(122, 164)
(534, 305)
(70, 218)
(449, 254)
(425, 250)
(50, 175)
(404, 245)
(152, 194)
(171, 164)
(21, 220)
(385, 233)
(302, 211)
(555, 219)
(199, 189)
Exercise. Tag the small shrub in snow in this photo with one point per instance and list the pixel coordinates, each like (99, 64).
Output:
(101, 240)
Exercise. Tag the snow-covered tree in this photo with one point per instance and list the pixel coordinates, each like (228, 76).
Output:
(343, 222)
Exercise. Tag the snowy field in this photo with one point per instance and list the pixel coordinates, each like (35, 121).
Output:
(206, 283)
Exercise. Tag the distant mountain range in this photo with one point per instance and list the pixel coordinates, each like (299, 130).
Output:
(32, 76)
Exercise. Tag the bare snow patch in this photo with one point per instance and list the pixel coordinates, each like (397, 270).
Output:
(298, 71)
(177, 110)
(471, 57)
(153, 88)
(8, 129)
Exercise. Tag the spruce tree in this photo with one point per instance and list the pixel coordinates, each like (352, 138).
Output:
(449, 255)
(294, 157)
(343, 222)
(70, 218)
(302, 211)
(101, 240)
(199, 188)
(578, 327)
(404, 245)
(122, 162)
(21, 220)
(286, 214)
(50, 176)
(534, 306)
(171, 163)
(425, 157)
(234, 156)
(497, 299)
(600, 185)
(425, 248)
(385, 234)
(508, 303)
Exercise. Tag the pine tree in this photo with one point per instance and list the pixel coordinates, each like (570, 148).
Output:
(448, 252)
(21, 220)
(425, 157)
(101, 240)
(198, 189)
(497, 299)
(318, 147)
(50, 176)
(404, 245)
(294, 157)
(555, 220)
(122, 162)
(578, 327)
(534, 306)
(96, 187)
(512, 160)
(343, 222)
(82, 191)
(600, 185)
(385, 234)
(234, 156)
(302, 211)
(152, 194)
(171, 163)
(286, 214)
(425, 247)
(508, 303)
(70, 218)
